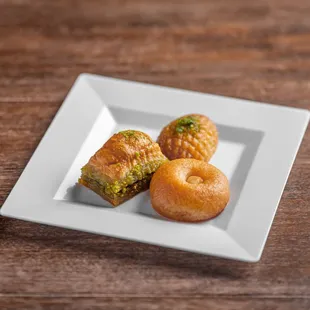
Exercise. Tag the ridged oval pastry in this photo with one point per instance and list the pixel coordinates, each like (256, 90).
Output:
(190, 136)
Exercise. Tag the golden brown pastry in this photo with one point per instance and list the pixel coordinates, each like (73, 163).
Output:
(189, 190)
(190, 136)
(123, 166)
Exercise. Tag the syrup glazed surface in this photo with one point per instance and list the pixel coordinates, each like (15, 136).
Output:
(190, 136)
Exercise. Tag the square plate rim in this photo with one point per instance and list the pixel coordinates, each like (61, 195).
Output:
(299, 115)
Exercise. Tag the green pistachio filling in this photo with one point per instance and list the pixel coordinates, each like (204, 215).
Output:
(138, 173)
(187, 123)
(128, 191)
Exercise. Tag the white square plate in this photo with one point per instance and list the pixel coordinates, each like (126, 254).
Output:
(257, 147)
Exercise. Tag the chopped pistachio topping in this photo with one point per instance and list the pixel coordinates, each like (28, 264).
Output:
(187, 123)
(127, 133)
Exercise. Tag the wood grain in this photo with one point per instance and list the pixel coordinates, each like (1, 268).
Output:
(50, 303)
(254, 50)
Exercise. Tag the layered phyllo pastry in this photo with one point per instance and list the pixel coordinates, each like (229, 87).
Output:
(123, 166)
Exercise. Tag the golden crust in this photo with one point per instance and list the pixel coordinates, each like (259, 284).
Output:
(123, 166)
(174, 197)
(121, 153)
(190, 136)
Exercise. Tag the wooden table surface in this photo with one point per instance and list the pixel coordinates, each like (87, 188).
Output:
(258, 50)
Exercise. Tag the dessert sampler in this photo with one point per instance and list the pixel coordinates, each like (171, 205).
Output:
(183, 185)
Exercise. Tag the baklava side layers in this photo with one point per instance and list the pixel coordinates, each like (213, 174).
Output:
(123, 167)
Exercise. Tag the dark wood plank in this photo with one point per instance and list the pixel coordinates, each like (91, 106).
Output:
(116, 303)
(252, 50)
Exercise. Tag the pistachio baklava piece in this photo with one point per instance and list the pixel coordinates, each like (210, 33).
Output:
(123, 166)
